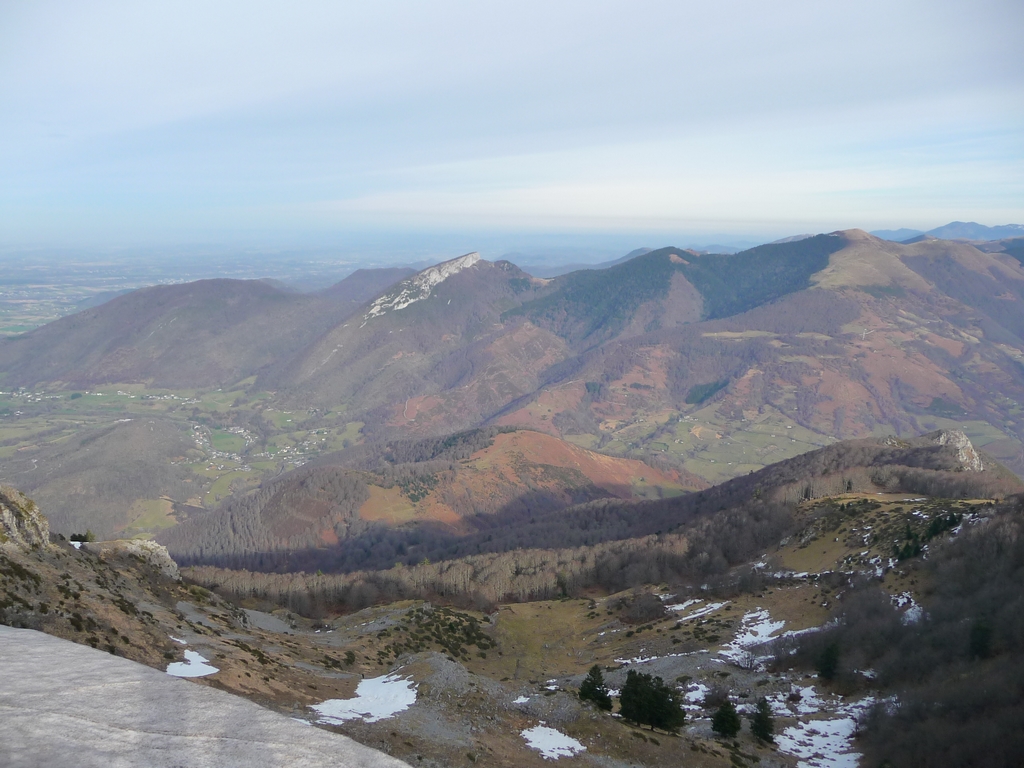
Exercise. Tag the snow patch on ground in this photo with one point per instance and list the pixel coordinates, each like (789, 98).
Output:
(810, 703)
(756, 628)
(521, 700)
(902, 599)
(550, 743)
(682, 606)
(376, 699)
(418, 287)
(194, 665)
(709, 608)
(798, 632)
(825, 743)
(694, 697)
(913, 612)
(821, 743)
(637, 660)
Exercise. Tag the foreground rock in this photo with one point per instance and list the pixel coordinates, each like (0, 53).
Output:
(63, 704)
(21, 523)
(149, 552)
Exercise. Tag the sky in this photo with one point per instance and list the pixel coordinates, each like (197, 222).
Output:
(321, 124)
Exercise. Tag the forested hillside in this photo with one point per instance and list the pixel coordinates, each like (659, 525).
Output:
(590, 306)
(955, 666)
(271, 530)
(412, 500)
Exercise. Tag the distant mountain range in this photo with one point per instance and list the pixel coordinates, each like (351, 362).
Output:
(198, 334)
(715, 365)
(955, 230)
(564, 269)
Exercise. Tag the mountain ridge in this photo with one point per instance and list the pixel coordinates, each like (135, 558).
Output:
(841, 335)
(955, 230)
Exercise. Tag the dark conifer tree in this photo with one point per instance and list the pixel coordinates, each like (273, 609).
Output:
(649, 701)
(828, 662)
(726, 721)
(762, 725)
(593, 689)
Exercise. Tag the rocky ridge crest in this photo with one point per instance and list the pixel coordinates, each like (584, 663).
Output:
(21, 522)
(150, 552)
(969, 459)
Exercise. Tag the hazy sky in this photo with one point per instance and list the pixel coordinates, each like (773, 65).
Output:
(249, 122)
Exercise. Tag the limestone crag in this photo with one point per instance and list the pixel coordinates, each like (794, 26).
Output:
(150, 552)
(969, 459)
(21, 523)
(419, 286)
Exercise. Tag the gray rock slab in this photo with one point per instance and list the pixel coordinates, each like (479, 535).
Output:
(268, 622)
(64, 705)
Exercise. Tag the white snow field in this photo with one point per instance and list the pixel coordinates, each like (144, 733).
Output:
(194, 665)
(550, 743)
(756, 628)
(821, 743)
(376, 698)
(64, 705)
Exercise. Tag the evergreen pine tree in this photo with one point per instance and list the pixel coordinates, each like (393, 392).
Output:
(635, 697)
(667, 710)
(726, 721)
(647, 700)
(762, 724)
(828, 662)
(593, 689)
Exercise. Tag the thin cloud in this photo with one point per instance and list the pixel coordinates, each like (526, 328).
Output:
(121, 117)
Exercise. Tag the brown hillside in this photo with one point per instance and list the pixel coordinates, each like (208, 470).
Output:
(97, 478)
(883, 338)
(893, 339)
(518, 463)
(408, 495)
(435, 333)
(201, 334)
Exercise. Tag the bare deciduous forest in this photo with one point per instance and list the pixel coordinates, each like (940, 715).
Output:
(954, 674)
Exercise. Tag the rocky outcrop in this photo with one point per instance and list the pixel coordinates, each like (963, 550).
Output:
(419, 287)
(969, 459)
(150, 552)
(21, 523)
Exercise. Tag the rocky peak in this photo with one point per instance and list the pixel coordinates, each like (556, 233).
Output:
(969, 459)
(21, 523)
(419, 286)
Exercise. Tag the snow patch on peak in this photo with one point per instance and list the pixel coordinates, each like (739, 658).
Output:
(419, 286)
